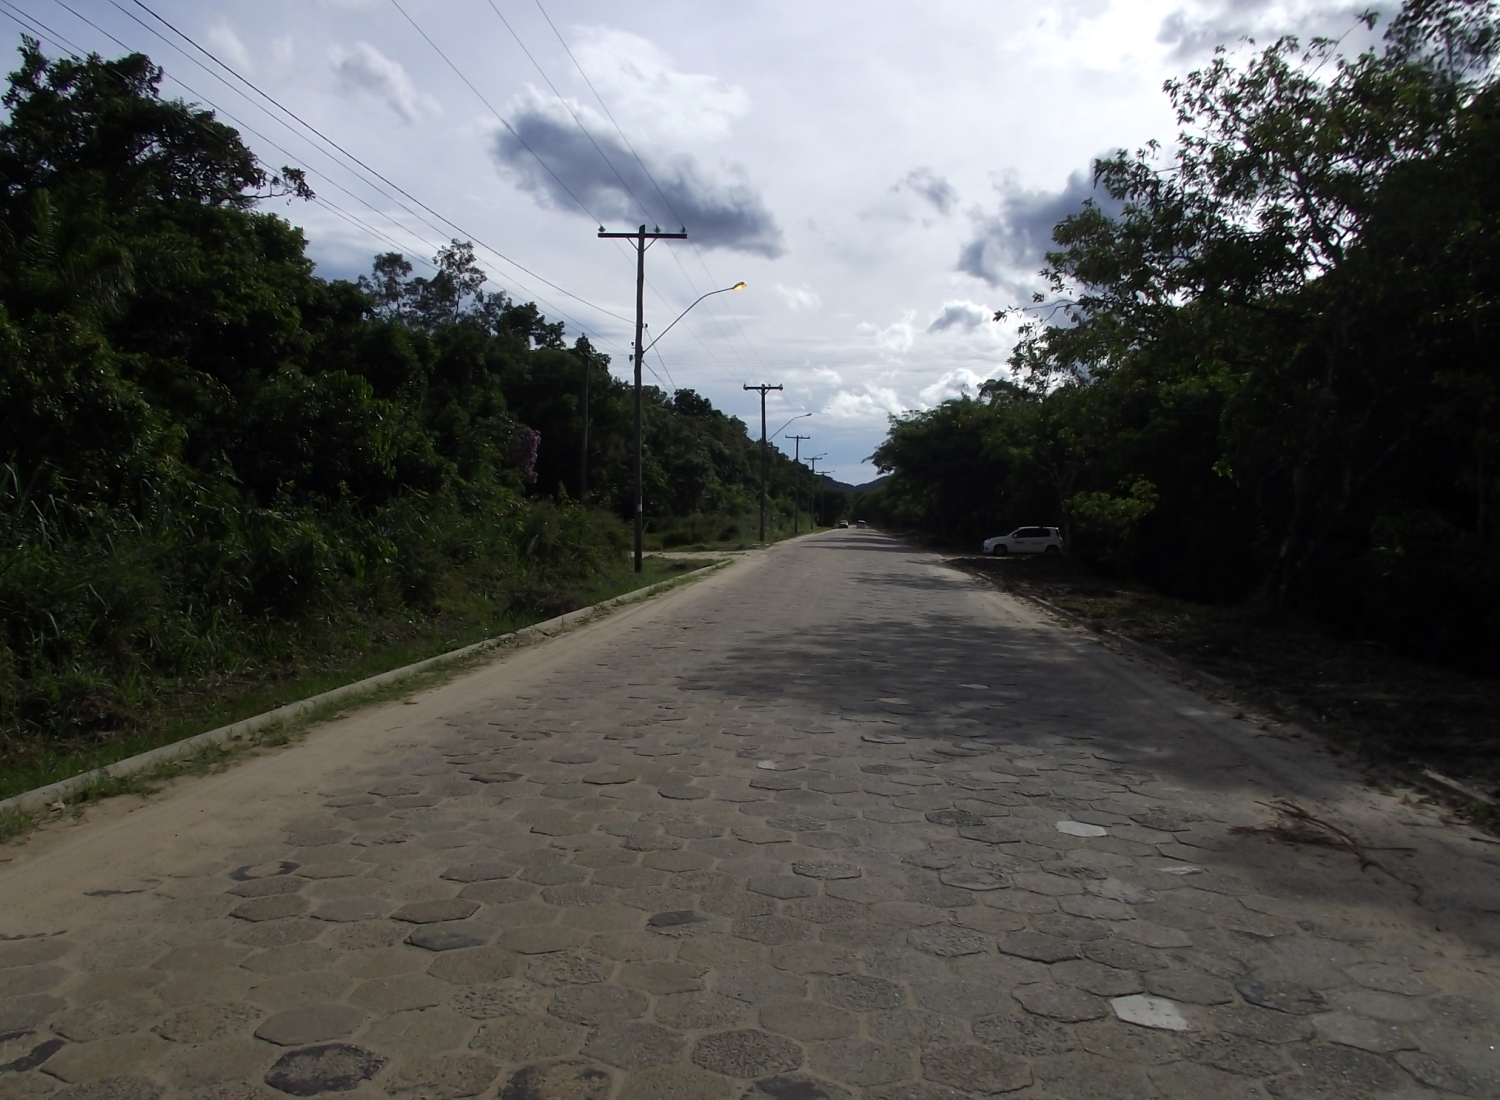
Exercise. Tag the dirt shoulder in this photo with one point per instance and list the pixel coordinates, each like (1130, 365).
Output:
(1401, 717)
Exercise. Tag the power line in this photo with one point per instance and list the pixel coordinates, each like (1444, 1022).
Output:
(638, 159)
(350, 156)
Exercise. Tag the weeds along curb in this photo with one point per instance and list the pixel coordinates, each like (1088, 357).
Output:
(103, 779)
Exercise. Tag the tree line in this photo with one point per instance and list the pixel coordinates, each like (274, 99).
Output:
(1265, 364)
(213, 461)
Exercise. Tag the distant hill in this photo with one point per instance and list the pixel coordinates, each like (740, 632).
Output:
(826, 482)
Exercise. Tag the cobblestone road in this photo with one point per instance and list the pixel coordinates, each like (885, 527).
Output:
(837, 822)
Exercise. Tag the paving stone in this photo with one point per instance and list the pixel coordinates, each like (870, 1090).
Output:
(1058, 1002)
(480, 872)
(1354, 1031)
(205, 1023)
(663, 977)
(527, 1038)
(861, 992)
(972, 878)
(439, 909)
(1334, 1072)
(345, 910)
(399, 994)
(1390, 979)
(1038, 946)
(568, 968)
(746, 1053)
(1148, 934)
(856, 1062)
(326, 1067)
(1191, 986)
(975, 1069)
(825, 869)
(466, 966)
(272, 908)
(948, 940)
(1282, 996)
(954, 817)
(577, 896)
(310, 1024)
(675, 1082)
(781, 886)
(772, 930)
(567, 1079)
(682, 792)
(77, 1063)
(122, 1087)
(443, 1078)
(1438, 1071)
(631, 1044)
(807, 1020)
(1095, 978)
(103, 1020)
(706, 1011)
(450, 936)
(1147, 1011)
(499, 998)
(591, 1004)
(266, 887)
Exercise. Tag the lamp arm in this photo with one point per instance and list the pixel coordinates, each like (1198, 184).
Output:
(685, 312)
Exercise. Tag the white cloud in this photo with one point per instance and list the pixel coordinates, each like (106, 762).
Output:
(649, 96)
(953, 383)
(894, 339)
(284, 50)
(366, 69)
(962, 315)
(869, 405)
(799, 299)
(226, 43)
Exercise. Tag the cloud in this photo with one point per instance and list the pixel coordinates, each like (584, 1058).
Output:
(953, 383)
(228, 45)
(934, 188)
(869, 405)
(894, 339)
(1009, 245)
(964, 316)
(1196, 29)
(720, 208)
(647, 95)
(799, 299)
(366, 69)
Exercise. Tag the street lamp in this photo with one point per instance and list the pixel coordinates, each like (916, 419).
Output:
(640, 357)
(788, 424)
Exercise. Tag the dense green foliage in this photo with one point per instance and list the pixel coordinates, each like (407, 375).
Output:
(1272, 368)
(217, 464)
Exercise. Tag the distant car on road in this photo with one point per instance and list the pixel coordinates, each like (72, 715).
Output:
(1026, 540)
(843, 523)
(860, 523)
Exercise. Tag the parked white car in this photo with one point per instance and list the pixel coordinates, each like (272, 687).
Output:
(1026, 540)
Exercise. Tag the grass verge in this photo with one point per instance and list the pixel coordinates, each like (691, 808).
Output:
(198, 707)
(1393, 713)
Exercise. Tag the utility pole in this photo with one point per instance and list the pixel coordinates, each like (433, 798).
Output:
(583, 451)
(796, 488)
(640, 237)
(764, 449)
(814, 514)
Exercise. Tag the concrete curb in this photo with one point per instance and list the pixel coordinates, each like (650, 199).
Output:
(42, 797)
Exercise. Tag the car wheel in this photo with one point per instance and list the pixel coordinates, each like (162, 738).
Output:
(1053, 551)
(1001, 549)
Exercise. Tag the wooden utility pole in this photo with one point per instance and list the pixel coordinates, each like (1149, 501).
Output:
(764, 450)
(796, 479)
(813, 512)
(640, 237)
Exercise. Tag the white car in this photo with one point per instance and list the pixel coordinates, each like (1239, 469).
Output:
(1026, 540)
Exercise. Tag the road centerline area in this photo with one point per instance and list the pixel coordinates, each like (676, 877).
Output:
(836, 822)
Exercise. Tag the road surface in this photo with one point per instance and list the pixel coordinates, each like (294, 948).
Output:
(836, 822)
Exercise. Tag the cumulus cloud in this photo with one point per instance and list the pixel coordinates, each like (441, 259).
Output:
(720, 207)
(869, 404)
(364, 69)
(953, 383)
(962, 315)
(1194, 30)
(1010, 244)
(799, 299)
(894, 340)
(227, 43)
(647, 94)
(926, 184)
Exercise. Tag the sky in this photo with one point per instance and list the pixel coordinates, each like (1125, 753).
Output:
(883, 177)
